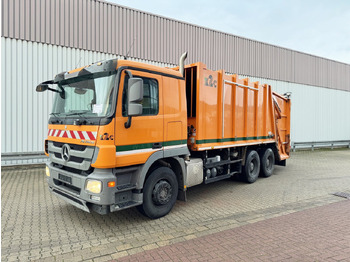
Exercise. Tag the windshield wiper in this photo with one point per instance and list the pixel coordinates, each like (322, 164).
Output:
(54, 114)
(80, 113)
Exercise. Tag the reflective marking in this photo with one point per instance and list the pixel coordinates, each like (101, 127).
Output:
(76, 134)
(86, 135)
(175, 146)
(147, 150)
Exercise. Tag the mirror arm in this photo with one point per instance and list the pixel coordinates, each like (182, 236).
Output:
(129, 73)
(127, 124)
(53, 90)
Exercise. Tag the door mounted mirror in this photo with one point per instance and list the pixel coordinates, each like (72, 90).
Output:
(135, 97)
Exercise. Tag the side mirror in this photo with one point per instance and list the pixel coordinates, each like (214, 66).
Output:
(42, 87)
(45, 86)
(135, 96)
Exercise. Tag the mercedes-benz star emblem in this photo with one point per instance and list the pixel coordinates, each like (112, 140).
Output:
(65, 152)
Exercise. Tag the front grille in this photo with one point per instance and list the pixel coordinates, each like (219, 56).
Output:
(72, 158)
(80, 156)
(66, 186)
(74, 170)
(72, 146)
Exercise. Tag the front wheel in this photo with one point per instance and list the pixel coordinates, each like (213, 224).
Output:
(159, 193)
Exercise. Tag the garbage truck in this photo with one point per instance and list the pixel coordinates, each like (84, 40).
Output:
(127, 134)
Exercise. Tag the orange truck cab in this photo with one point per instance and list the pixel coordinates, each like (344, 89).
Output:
(124, 134)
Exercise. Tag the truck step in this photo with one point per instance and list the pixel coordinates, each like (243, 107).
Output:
(218, 178)
(126, 187)
(125, 205)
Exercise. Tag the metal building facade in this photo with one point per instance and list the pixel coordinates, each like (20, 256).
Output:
(41, 38)
(108, 28)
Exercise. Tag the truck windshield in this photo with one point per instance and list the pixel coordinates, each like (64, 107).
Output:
(81, 96)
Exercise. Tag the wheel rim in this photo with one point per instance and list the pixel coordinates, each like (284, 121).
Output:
(253, 166)
(162, 193)
(269, 162)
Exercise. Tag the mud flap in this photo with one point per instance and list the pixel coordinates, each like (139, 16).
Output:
(281, 163)
(182, 196)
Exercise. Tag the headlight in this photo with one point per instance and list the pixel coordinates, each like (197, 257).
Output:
(94, 186)
(47, 170)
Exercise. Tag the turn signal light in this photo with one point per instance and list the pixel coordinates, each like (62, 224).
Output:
(111, 184)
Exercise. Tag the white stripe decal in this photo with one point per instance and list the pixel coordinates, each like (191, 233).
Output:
(62, 133)
(175, 146)
(68, 134)
(86, 135)
(76, 134)
(94, 134)
(137, 151)
(51, 131)
(56, 131)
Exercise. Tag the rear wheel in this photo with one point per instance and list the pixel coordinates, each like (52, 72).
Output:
(252, 167)
(267, 163)
(159, 193)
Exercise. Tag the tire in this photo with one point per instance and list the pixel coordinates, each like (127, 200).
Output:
(267, 163)
(159, 193)
(252, 167)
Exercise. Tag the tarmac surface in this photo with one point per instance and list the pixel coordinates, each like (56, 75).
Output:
(291, 216)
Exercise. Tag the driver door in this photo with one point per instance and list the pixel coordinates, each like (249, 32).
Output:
(134, 145)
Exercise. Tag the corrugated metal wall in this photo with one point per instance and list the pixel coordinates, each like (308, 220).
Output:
(317, 113)
(108, 28)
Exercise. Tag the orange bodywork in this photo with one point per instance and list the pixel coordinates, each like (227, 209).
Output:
(168, 127)
(229, 112)
(134, 145)
(233, 112)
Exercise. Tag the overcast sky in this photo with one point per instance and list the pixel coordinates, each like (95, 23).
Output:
(318, 27)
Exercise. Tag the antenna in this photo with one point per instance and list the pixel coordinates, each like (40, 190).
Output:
(126, 56)
(78, 63)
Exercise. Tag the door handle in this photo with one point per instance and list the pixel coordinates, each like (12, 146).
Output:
(157, 145)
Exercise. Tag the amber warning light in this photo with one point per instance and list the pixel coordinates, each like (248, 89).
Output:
(111, 184)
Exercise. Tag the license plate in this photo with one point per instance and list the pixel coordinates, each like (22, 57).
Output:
(64, 178)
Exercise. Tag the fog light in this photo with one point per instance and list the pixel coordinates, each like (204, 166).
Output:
(47, 170)
(96, 198)
(94, 186)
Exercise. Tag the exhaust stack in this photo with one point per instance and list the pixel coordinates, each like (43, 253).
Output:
(182, 64)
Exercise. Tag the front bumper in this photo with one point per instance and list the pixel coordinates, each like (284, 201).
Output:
(71, 188)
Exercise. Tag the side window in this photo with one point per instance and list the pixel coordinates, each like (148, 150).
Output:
(150, 102)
